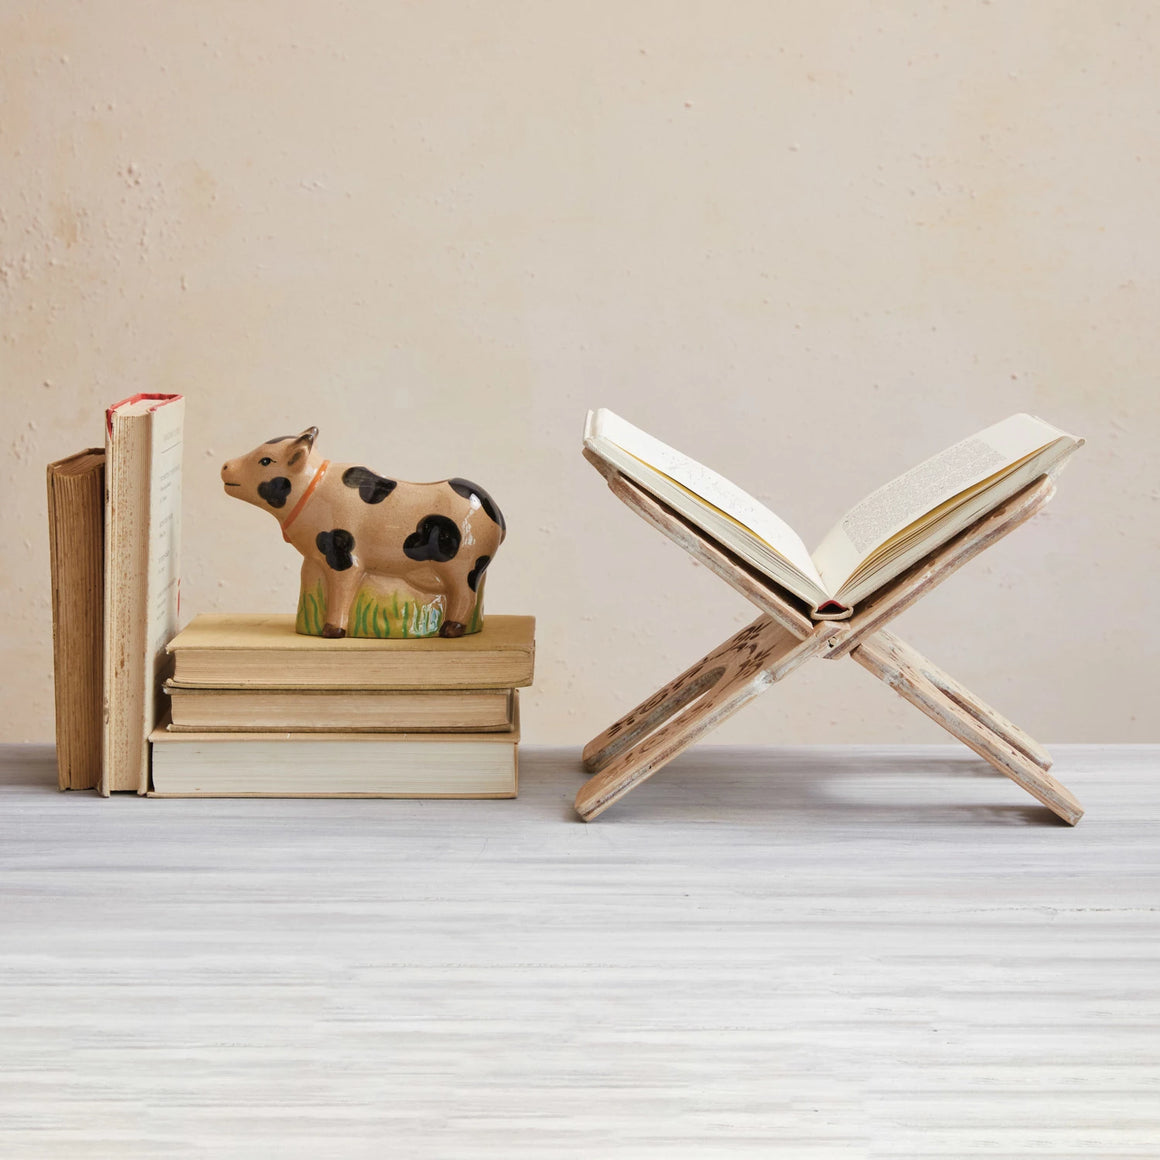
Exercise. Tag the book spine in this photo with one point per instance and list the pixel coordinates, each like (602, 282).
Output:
(251, 668)
(318, 711)
(126, 480)
(57, 581)
(75, 514)
(831, 610)
(163, 566)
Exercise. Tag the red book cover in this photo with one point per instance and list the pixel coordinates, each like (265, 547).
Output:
(161, 401)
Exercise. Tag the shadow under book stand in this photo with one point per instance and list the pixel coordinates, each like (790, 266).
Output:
(783, 637)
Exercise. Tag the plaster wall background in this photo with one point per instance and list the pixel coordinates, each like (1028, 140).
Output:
(809, 244)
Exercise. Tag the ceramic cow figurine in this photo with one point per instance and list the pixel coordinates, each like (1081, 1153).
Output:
(381, 557)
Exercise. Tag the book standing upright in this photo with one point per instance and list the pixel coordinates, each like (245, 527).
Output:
(76, 510)
(143, 449)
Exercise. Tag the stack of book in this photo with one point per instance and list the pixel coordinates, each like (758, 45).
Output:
(257, 709)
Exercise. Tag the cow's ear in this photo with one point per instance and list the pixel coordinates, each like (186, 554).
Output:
(302, 446)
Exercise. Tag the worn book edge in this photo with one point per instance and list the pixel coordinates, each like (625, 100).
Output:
(76, 567)
(299, 745)
(142, 547)
(490, 710)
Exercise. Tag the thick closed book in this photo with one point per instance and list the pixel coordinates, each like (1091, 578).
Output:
(406, 765)
(264, 651)
(339, 710)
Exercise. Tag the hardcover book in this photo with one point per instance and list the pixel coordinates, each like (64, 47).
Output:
(263, 651)
(409, 765)
(76, 506)
(143, 448)
(338, 710)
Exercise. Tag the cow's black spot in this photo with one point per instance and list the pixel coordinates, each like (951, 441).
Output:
(467, 489)
(274, 491)
(372, 488)
(434, 538)
(336, 546)
(476, 573)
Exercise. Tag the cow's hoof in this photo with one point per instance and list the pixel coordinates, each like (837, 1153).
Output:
(452, 628)
(333, 631)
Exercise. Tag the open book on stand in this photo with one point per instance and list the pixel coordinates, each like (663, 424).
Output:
(878, 539)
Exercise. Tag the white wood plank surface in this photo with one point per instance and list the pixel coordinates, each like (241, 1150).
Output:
(799, 952)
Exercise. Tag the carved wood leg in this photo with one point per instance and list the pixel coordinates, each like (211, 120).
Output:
(964, 716)
(674, 718)
(973, 706)
(663, 704)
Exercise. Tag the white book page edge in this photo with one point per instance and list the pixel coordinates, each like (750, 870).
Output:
(924, 488)
(164, 568)
(715, 490)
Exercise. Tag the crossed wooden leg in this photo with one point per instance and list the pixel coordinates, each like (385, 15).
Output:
(641, 742)
(995, 739)
(634, 747)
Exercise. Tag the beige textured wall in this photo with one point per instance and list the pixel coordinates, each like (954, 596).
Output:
(809, 243)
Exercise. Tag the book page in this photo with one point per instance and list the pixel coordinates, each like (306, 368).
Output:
(732, 502)
(142, 534)
(164, 575)
(912, 495)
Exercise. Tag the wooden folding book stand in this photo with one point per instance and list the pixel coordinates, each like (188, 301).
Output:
(783, 637)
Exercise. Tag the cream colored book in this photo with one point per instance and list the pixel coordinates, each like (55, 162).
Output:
(143, 448)
(878, 539)
(76, 506)
(408, 765)
(264, 651)
(339, 710)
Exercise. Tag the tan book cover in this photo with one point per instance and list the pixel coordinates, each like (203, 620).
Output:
(406, 765)
(339, 710)
(255, 650)
(76, 504)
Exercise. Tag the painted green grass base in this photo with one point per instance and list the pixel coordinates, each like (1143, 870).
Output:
(380, 616)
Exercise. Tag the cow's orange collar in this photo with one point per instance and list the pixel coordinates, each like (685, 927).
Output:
(305, 496)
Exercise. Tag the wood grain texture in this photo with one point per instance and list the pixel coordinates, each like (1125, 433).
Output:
(691, 706)
(760, 590)
(897, 596)
(954, 695)
(836, 954)
(761, 635)
(928, 688)
(640, 743)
